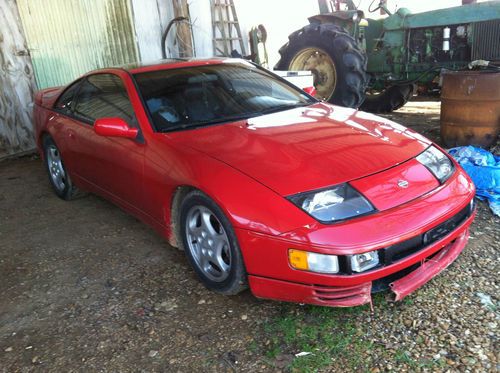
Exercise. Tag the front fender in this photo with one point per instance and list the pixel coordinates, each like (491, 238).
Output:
(246, 202)
(342, 18)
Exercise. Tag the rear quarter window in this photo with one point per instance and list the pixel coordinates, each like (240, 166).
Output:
(65, 102)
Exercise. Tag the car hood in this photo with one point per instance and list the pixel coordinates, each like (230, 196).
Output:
(307, 148)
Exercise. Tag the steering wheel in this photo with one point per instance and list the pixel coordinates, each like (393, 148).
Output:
(375, 9)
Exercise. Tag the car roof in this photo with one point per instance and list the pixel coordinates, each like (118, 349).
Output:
(173, 63)
(166, 64)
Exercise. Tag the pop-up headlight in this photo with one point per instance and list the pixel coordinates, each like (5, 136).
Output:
(337, 203)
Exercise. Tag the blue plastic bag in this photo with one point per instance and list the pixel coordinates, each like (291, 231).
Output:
(484, 170)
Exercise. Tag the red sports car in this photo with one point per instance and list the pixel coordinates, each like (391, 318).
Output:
(261, 184)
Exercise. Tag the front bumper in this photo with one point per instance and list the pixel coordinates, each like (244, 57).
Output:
(271, 276)
(355, 295)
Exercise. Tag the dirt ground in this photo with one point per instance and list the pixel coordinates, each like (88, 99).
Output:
(86, 287)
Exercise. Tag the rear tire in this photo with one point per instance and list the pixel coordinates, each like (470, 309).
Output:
(58, 175)
(334, 58)
(390, 99)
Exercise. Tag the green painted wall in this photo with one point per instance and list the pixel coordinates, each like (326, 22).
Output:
(69, 38)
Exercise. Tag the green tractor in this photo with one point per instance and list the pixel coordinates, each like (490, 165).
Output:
(376, 64)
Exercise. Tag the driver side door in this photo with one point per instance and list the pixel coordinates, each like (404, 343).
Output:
(112, 166)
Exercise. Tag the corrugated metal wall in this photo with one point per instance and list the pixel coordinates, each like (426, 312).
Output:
(151, 17)
(69, 38)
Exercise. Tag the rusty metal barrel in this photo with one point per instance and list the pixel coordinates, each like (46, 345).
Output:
(470, 108)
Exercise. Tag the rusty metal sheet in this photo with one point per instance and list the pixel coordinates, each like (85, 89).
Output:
(470, 108)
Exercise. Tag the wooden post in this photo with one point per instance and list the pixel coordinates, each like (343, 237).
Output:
(183, 36)
(17, 84)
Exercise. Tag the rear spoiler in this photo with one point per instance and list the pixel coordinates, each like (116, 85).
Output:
(46, 97)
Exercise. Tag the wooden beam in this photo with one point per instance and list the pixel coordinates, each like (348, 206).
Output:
(183, 36)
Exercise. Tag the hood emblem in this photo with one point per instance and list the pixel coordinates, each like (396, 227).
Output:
(403, 184)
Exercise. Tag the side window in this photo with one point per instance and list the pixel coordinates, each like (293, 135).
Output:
(104, 95)
(65, 102)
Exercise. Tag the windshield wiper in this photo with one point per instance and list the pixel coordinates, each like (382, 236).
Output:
(275, 109)
(234, 118)
(186, 126)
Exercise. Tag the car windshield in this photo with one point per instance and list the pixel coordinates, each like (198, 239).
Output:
(211, 94)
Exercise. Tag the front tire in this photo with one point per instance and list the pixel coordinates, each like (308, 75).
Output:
(58, 176)
(333, 57)
(211, 245)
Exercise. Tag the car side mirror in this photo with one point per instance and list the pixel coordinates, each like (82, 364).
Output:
(114, 127)
(310, 91)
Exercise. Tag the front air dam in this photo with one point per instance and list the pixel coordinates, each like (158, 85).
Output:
(429, 268)
(359, 294)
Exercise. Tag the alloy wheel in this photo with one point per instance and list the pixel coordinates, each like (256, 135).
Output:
(56, 168)
(208, 243)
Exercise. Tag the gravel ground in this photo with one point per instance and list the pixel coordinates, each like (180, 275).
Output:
(86, 287)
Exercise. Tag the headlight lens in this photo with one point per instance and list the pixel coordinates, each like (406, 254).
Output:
(338, 203)
(365, 261)
(437, 162)
(314, 262)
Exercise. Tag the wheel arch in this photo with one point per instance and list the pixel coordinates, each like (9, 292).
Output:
(340, 18)
(39, 142)
(44, 133)
(178, 196)
(180, 192)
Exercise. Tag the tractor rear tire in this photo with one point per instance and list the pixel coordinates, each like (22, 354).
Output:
(336, 61)
(392, 98)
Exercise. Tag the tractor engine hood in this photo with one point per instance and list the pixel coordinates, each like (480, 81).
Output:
(304, 149)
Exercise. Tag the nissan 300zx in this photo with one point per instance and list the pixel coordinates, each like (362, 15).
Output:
(262, 185)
